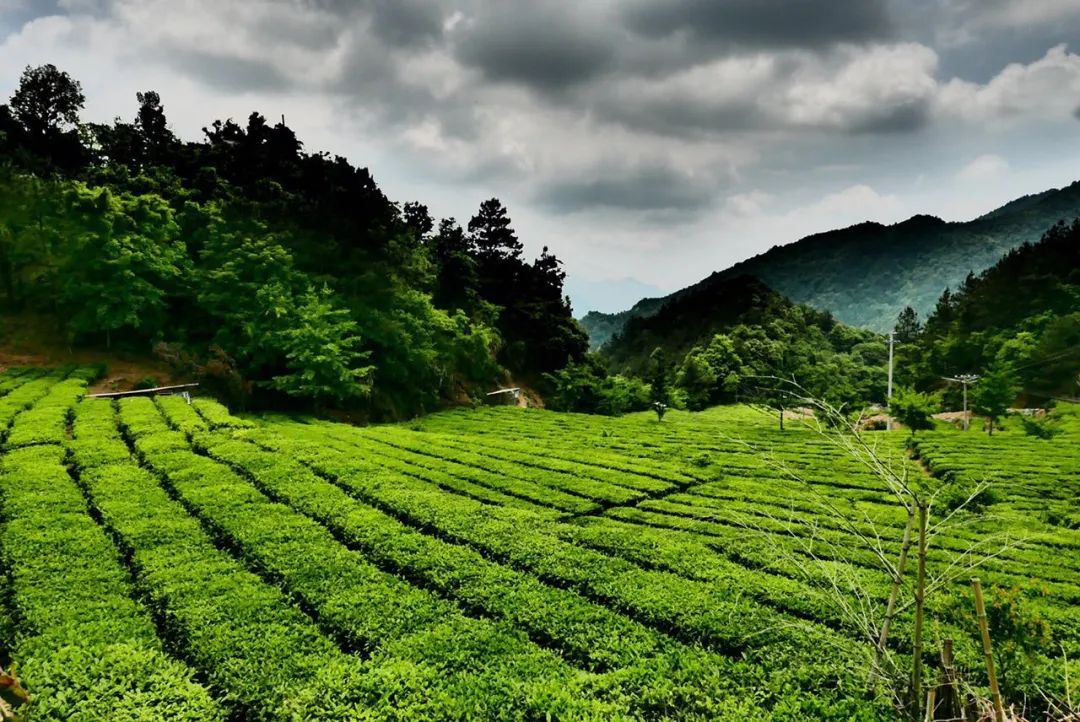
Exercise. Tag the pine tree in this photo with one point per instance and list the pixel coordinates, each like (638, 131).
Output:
(907, 327)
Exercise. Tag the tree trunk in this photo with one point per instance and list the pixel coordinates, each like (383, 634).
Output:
(894, 593)
(917, 643)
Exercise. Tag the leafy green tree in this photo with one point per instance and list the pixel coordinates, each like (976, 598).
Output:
(123, 260)
(586, 387)
(247, 283)
(994, 393)
(31, 238)
(696, 378)
(456, 282)
(726, 365)
(322, 349)
(913, 409)
(47, 101)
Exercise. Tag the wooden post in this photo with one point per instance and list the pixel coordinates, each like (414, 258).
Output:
(920, 594)
(931, 696)
(894, 593)
(984, 629)
(950, 703)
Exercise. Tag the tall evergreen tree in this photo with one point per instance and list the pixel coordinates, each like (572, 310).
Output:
(907, 327)
(492, 237)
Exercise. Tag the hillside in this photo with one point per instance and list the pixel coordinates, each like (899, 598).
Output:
(729, 340)
(867, 273)
(692, 317)
(1036, 332)
(280, 276)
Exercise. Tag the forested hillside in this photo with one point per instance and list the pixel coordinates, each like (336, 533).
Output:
(865, 274)
(1019, 318)
(261, 267)
(729, 340)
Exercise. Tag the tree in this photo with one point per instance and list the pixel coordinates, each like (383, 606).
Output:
(994, 393)
(726, 366)
(124, 258)
(696, 379)
(158, 140)
(659, 394)
(456, 280)
(322, 351)
(491, 236)
(907, 327)
(47, 101)
(912, 409)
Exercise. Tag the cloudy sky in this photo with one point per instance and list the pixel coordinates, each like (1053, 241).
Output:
(647, 142)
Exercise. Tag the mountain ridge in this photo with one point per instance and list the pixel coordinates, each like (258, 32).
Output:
(866, 273)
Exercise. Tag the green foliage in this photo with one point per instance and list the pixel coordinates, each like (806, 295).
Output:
(913, 409)
(322, 350)
(994, 393)
(1019, 631)
(587, 387)
(47, 100)
(87, 648)
(749, 343)
(907, 327)
(1022, 312)
(124, 259)
(1040, 428)
(208, 250)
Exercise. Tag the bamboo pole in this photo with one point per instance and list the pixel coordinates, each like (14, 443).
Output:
(984, 629)
(920, 594)
(931, 696)
(950, 703)
(894, 594)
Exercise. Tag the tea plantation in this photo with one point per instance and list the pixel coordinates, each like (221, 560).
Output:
(167, 561)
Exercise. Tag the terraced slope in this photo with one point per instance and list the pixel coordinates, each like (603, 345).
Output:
(171, 561)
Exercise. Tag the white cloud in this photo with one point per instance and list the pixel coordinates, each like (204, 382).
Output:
(1046, 89)
(883, 87)
(986, 167)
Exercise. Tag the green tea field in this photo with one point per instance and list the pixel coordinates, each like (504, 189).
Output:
(161, 560)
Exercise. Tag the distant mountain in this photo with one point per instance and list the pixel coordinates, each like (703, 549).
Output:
(606, 296)
(864, 275)
(691, 317)
(603, 326)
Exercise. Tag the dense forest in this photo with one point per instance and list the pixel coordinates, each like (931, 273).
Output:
(866, 273)
(1019, 319)
(734, 339)
(273, 273)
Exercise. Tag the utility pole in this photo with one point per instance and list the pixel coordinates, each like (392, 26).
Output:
(964, 380)
(892, 337)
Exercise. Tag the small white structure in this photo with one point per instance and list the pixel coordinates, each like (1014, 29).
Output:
(504, 396)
